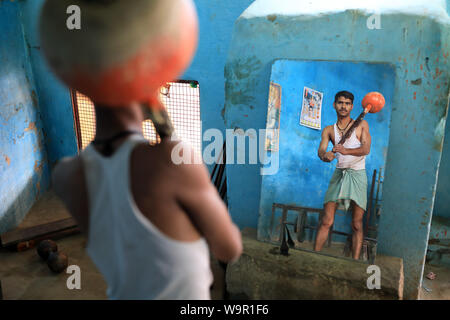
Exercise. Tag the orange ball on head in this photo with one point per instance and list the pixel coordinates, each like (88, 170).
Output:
(125, 50)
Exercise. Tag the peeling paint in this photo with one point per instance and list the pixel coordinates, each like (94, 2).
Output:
(272, 17)
(31, 126)
(438, 73)
(34, 99)
(439, 135)
(38, 165)
(24, 168)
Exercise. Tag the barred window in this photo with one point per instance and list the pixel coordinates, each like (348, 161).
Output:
(181, 99)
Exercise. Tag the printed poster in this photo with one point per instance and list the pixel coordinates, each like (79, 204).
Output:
(273, 118)
(311, 108)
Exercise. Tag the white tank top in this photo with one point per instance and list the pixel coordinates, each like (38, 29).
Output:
(348, 161)
(136, 259)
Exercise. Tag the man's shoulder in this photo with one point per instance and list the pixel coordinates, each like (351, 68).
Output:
(177, 158)
(329, 129)
(67, 171)
(66, 165)
(364, 124)
(167, 151)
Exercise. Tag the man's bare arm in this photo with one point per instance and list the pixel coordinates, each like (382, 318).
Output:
(322, 152)
(67, 182)
(200, 199)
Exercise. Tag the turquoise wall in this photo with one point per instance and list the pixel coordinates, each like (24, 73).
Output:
(216, 20)
(442, 202)
(54, 97)
(302, 178)
(405, 41)
(417, 46)
(24, 172)
(50, 106)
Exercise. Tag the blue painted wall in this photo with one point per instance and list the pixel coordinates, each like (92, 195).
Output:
(53, 114)
(417, 46)
(24, 172)
(442, 202)
(404, 41)
(216, 19)
(302, 178)
(54, 97)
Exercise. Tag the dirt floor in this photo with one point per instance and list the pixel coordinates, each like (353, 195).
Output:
(24, 275)
(47, 209)
(336, 249)
(439, 288)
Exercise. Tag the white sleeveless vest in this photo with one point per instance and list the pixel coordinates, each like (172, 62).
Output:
(349, 161)
(136, 259)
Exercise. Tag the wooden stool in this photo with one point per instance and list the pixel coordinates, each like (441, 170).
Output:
(300, 224)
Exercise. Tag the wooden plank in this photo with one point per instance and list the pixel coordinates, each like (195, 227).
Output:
(29, 244)
(296, 208)
(272, 218)
(369, 207)
(301, 224)
(283, 220)
(20, 235)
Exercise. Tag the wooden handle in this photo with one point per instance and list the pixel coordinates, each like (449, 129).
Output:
(354, 125)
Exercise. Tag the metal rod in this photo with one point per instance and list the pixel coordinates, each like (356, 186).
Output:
(369, 208)
(353, 127)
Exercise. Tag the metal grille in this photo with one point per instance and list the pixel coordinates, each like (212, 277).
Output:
(181, 99)
(84, 119)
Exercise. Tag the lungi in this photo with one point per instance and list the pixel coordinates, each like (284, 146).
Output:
(346, 185)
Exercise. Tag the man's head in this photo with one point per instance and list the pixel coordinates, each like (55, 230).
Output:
(131, 114)
(343, 103)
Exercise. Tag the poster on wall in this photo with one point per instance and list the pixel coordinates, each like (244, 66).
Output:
(273, 118)
(311, 108)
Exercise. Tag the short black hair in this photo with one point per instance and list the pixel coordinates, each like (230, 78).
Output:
(345, 94)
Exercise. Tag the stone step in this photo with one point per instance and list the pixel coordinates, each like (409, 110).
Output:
(262, 273)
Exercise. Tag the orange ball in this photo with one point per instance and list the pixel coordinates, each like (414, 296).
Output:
(375, 100)
(125, 50)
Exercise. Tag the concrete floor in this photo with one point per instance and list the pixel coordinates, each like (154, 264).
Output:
(440, 286)
(47, 209)
(336, 249)
(24, 275)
